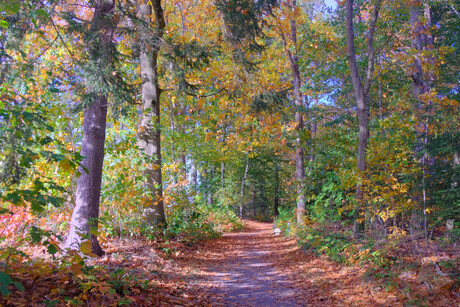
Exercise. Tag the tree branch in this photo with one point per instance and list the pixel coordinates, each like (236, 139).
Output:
(370, 47)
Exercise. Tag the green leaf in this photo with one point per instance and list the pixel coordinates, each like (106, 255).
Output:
(13, 197)
(4, 24)
(4, 211)
(35, 234)
(18, 285)
(55, 201)
(36, 207)
(46, 140)
(5, 280)
(57, 157)
(52, 249)
(42, 13)
(11, 7)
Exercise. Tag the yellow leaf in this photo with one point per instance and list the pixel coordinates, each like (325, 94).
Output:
(94, 231)
(85, 248)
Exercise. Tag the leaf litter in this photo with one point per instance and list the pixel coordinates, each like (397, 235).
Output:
(249, 268)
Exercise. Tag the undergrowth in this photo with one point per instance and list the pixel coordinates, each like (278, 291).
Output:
(188, 219)
(396, 260)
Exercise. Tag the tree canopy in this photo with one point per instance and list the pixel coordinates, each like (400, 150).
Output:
(179, 118)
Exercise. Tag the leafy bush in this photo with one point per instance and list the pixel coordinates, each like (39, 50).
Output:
(285, 220)
(193, 219)
(223, 219)
(322, 242)
(121, 223)
(190, 225)
(339, 246)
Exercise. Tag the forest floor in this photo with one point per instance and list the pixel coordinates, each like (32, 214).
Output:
(256, 268)
(248, 268)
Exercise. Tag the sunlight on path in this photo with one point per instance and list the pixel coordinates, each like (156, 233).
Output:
(246, 277)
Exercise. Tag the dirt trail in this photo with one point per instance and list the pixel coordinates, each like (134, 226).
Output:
(257, 268)
(241, 268)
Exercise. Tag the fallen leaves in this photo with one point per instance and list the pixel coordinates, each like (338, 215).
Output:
(135, 273)
(141, 273)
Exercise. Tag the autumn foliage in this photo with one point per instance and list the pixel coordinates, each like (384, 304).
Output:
(257, 118)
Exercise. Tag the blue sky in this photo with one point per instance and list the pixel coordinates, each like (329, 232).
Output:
(331, 3)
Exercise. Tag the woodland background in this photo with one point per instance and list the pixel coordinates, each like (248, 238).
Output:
(341, 123)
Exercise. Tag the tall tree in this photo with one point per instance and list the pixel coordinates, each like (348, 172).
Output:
(149, 137)
(422, 82)
(298, 101)
(243, 179)
(86, 212)
(361, 91)
(421, 40)
(276, 205)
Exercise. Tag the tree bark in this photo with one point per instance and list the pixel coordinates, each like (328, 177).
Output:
(193, 175)
(173, 147)
(242, 187)
(420, 41)
(421, 84)
(277, 190)
(314, 128)
(361, 97)
(222, 175)
(208, 175)
(254, 199)
(85, 216)
(149, 136)
(297, 83)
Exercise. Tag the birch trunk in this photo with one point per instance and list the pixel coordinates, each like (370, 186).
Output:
(149, 136)
(193, 175)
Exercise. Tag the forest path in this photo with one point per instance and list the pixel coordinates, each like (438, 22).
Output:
(240, 266)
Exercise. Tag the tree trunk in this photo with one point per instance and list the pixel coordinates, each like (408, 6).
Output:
(149, 140)
(242, 187)
(173, 147)
(183, 160)
(193, 175)
(455, 163)
(361, 97)
(297, 83)
(262, 203)
(314, 128)
(86, 212)
(421, 85)
(209, 177)
(420, 41)
(254, 199)
(222, 174)
(450, 223)
(277, 190)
